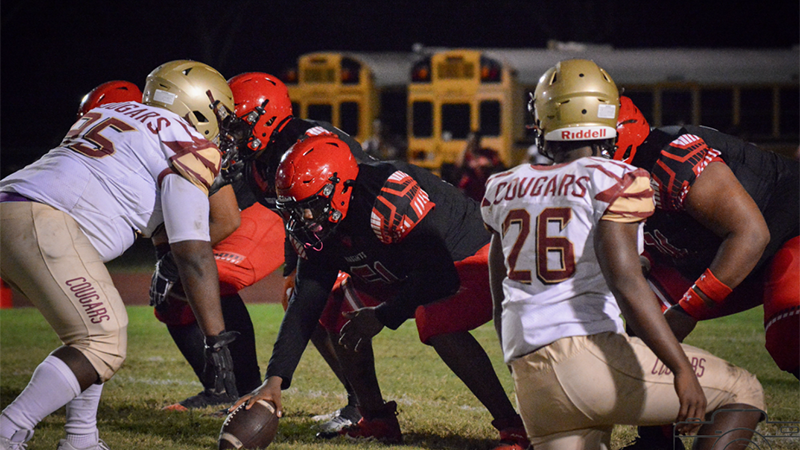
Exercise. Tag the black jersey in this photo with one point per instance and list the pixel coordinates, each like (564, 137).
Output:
(404, 230)
(259, 173)
(676, 156)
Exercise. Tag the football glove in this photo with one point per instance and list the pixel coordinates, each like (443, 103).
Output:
(164, 278)
(218, 374)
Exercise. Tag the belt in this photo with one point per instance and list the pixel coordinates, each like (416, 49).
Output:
(12, 197)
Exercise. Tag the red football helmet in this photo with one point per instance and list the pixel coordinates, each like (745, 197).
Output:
(110, 92)
(314, 185)
(262, 101)
(632, 130)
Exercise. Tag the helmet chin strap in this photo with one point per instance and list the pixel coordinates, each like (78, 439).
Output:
(314, 246)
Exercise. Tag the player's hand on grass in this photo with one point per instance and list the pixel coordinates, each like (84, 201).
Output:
(361, 326)
(269, 391)
(692, 401)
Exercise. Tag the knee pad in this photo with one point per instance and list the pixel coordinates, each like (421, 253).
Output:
(175, 313)
(106, 351)
(331, 318)
(783, 339)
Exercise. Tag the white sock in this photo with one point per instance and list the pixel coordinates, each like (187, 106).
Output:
(52, 385)
(81, 424)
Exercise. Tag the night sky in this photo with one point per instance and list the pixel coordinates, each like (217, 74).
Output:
(54, 52)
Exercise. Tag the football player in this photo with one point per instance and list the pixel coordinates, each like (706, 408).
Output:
(248, 246)
(252, 139)
(261, 130)
(727, 215)
(413, 247)
(564, 263)
(122, 171)
(110, 92)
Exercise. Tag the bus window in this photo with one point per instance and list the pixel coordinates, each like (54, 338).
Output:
(351, 71)
(321, 112)
(455, 120)
(716, 108)
(422, 119)
(756, 118)
(677, 107)
(790, 112)
(348, 117)
(490, 117)
(491, 71)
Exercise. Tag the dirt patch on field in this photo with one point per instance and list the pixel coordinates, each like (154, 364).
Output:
(133, 288)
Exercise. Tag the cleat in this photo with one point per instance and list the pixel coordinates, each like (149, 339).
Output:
(512, 435)
(64, 444)
(333, 423)
(17, 442)
(201, 400)
(382, 426)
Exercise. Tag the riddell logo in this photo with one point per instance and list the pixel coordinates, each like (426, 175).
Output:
(588, 133)
(581, 133)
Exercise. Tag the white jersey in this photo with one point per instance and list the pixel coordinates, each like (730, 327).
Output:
(109, 175)
(546, 216)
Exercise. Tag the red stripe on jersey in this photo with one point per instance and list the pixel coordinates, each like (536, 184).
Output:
(195, 147)
(401, 205)
(677, 167)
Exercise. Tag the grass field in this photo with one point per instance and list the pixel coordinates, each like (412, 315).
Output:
(435, 410)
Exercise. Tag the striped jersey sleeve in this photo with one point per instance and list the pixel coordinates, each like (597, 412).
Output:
(401, 205)
(631, 199)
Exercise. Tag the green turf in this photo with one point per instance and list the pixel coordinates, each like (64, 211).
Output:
(436, 410)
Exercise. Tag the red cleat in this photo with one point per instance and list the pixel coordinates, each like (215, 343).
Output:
(381, 426)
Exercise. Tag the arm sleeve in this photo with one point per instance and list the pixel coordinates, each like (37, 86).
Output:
(313, 284)
(433, 276)
(185, 210)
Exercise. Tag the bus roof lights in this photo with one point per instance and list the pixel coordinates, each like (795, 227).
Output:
(491, 71)
(421, 71)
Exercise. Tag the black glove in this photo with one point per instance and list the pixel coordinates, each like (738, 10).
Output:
(218, 371)
(165, 276)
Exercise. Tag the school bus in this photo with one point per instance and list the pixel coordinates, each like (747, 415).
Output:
(435, 96)
(750, 93)
(348, 89)
(455, 92)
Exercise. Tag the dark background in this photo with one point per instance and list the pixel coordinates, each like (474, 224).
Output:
(54, 52)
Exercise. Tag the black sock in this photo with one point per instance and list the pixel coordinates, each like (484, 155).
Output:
(243, 349)
(190, 342)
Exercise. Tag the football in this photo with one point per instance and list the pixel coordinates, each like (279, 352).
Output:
(253, 428)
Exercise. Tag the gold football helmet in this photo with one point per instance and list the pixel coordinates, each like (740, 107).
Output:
(192, 90)
(574, 101)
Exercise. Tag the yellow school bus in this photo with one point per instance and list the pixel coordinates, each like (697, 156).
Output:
(454, 92)
(348, 89)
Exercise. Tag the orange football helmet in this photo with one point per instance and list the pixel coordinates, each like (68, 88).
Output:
(262, 102)
(632, 130)
(110, 92)
(314, 186)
